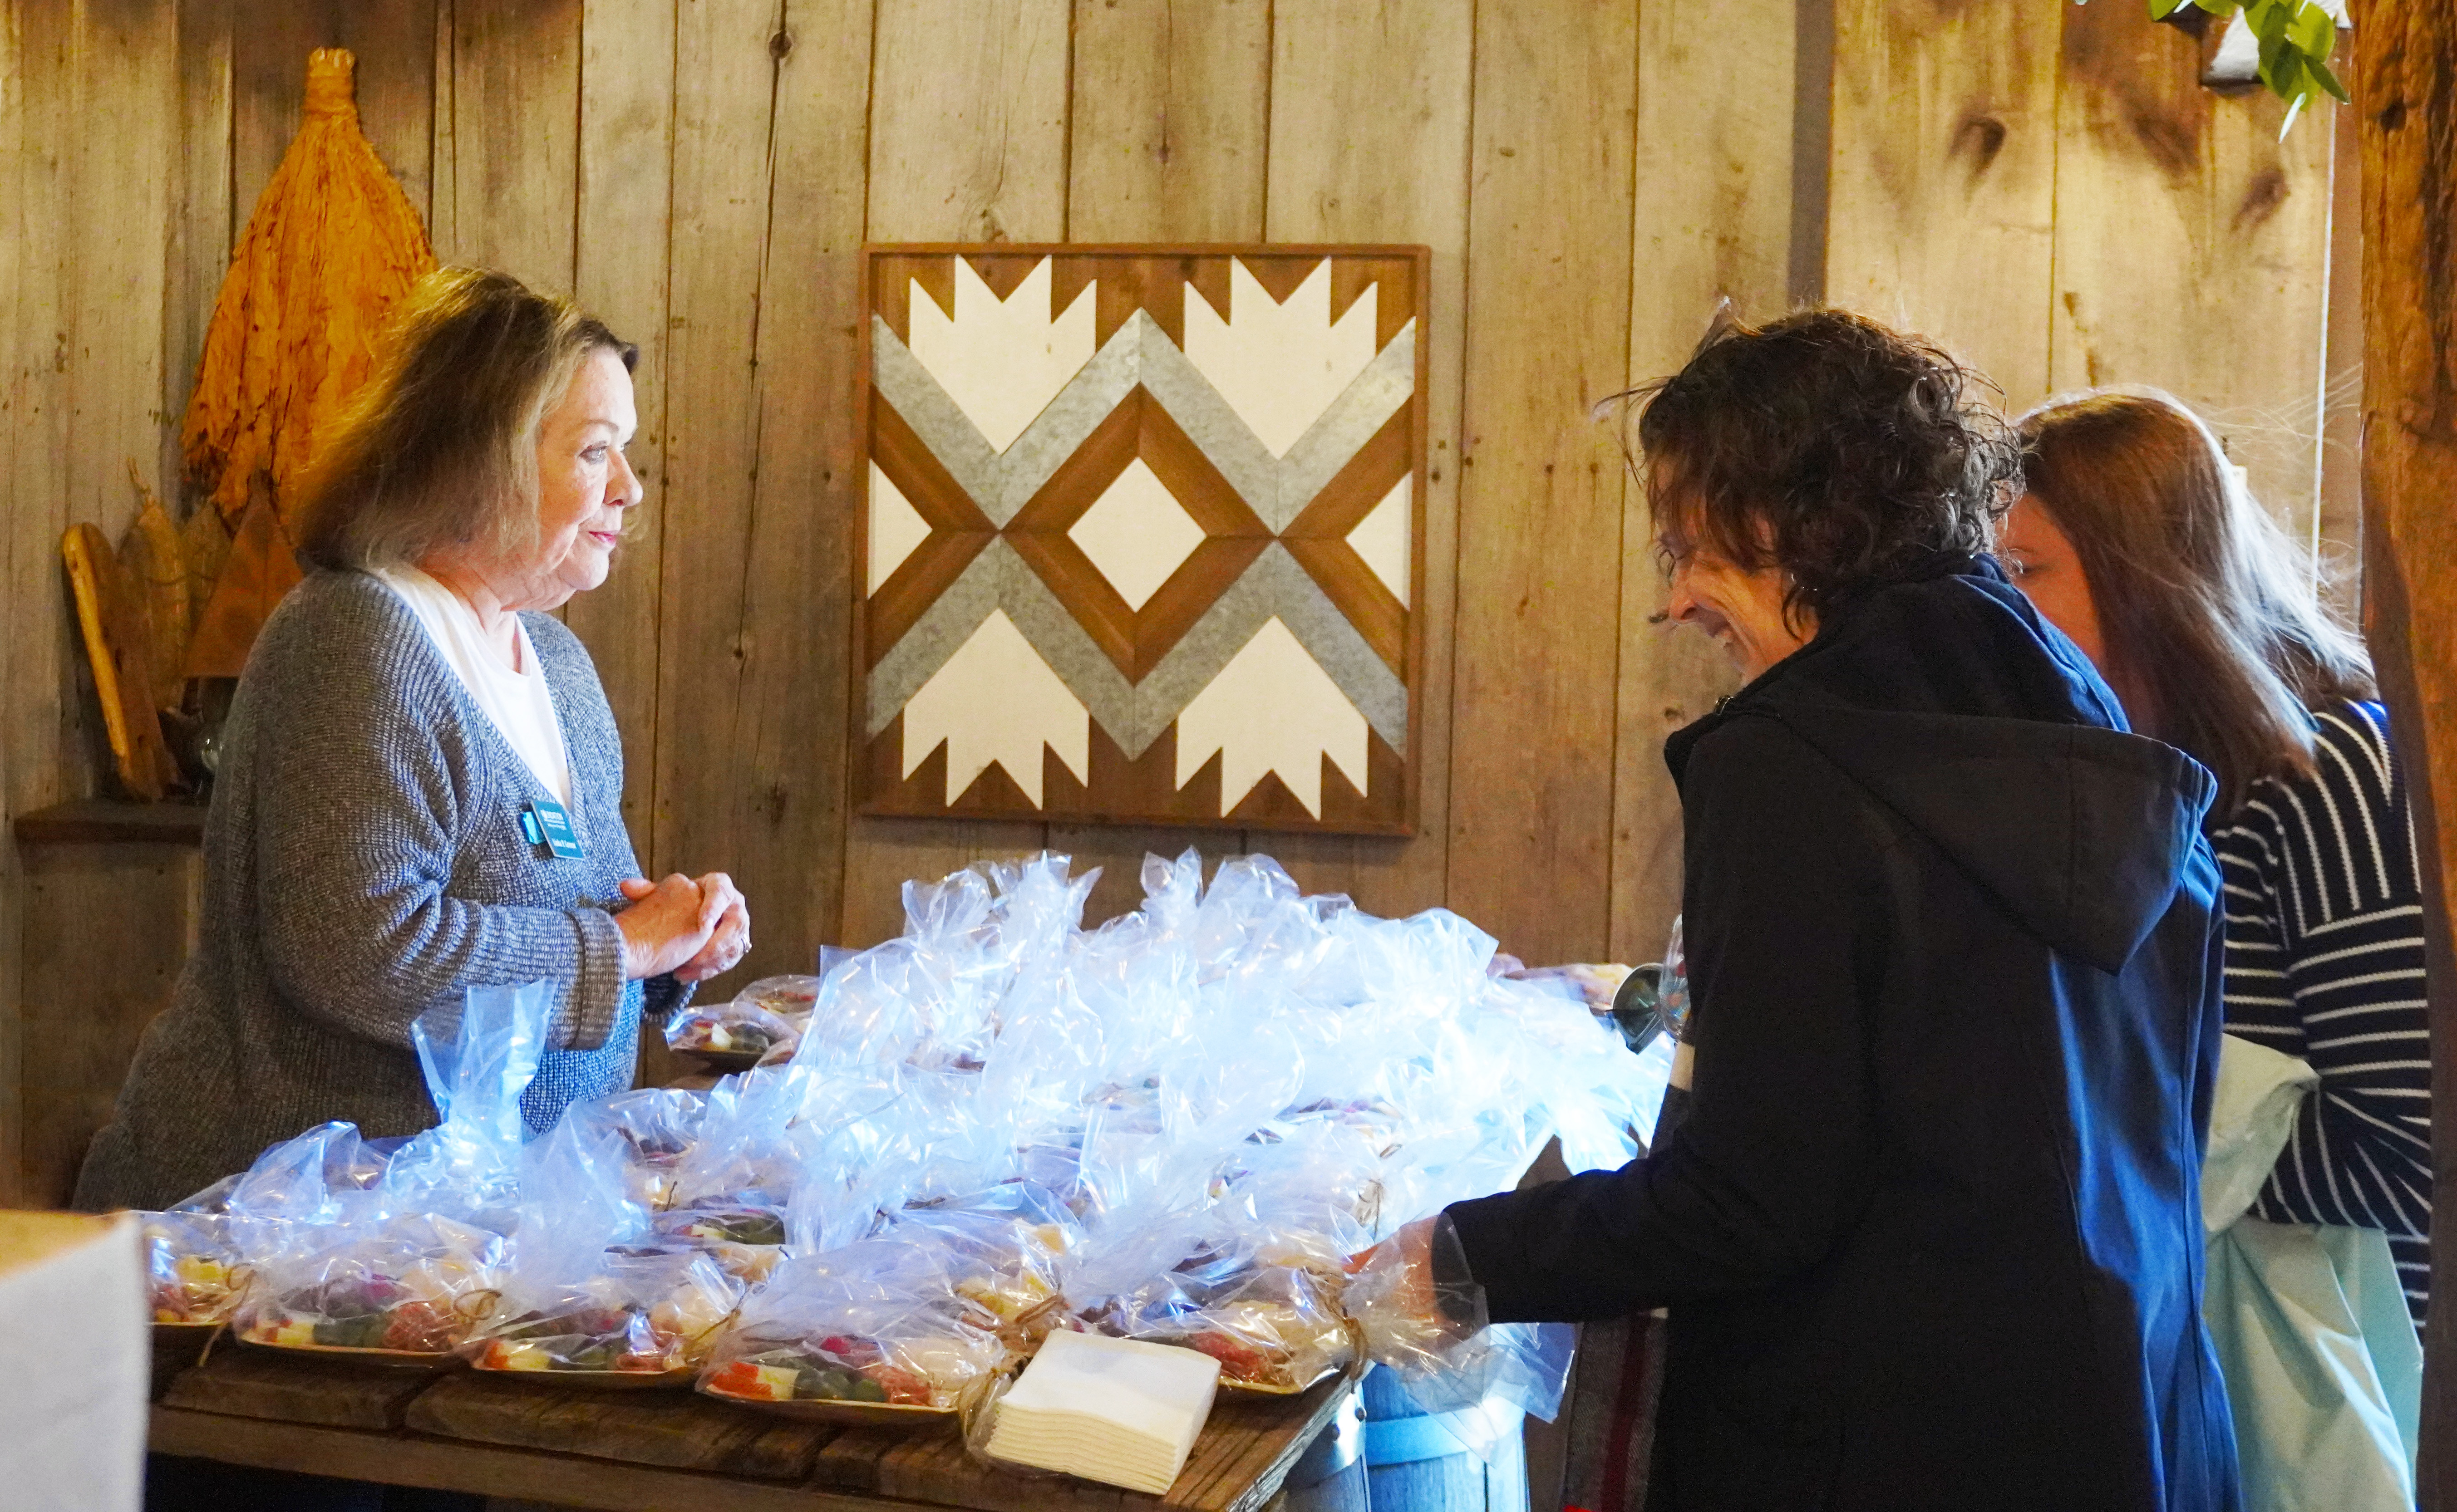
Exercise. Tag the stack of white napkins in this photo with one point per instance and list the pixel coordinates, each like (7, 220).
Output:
(1113, 1410)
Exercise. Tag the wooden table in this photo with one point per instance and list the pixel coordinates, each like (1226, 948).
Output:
(661, 1451)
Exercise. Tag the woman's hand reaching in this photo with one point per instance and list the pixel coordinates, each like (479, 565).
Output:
(668, 924)
(1396, 1298)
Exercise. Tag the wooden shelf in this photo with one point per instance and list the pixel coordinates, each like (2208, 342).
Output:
(111, 821)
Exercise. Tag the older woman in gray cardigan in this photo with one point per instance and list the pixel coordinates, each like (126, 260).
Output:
(412, 725)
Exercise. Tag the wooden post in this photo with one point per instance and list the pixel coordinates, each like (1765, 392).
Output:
(2406, 67)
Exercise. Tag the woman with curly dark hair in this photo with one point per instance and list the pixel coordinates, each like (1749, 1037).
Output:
(1929, 1231)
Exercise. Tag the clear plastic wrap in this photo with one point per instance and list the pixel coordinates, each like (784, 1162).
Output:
(1437, 1339)
(1174, 1127)
(871, 1331)
(654, 1131)
(789, 997)
(1274, 1328)
(479, 1057)
(197, 1270)
(733, 1036)
(1002, 1250)
(640, 1314)
(418, 1286)
(397, 1248)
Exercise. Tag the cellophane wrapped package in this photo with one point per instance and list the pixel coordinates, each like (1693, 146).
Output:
(202, 1255)
(196, 1267)
(587, 1290)
(655, 1131)
(1177, 1126)
(635, 1312)
(401, 1251)
(401, 1284)
(876, 1323)
(762, 1025)
(725, 1033)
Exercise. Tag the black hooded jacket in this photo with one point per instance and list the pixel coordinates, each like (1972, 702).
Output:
(1929, 1232)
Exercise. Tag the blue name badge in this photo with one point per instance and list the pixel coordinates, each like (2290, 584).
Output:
(544, 823)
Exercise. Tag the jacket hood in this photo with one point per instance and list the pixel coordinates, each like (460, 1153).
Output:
(1982, 727)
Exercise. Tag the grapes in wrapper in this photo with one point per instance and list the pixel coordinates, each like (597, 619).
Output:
(417, 1285)
(879, 1322)
(1175, 1127)
(647, 1314)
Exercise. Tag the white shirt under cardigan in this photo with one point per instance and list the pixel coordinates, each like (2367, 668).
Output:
(519, 701)
(364, 861)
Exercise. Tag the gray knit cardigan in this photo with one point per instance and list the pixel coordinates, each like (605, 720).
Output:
(364, 862)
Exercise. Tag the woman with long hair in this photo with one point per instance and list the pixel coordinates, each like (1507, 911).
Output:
(2139, 540)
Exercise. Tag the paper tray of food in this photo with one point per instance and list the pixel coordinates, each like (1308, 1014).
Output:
(848, 1414)
(387, 1359)
(676, 1378)
(1259, 1388)
(190, 1334)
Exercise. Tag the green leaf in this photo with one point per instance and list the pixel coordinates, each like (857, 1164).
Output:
(2274, 52)
(2312, 31)
(2161, 9)
(2285, 77)
(2329, 81)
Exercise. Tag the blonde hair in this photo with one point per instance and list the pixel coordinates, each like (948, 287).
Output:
(440, 447)
(2204, 604)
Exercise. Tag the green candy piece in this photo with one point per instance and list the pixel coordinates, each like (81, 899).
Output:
(866, 1389)
(351, 1333)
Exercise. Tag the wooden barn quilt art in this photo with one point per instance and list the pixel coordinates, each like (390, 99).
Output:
(1144, 533)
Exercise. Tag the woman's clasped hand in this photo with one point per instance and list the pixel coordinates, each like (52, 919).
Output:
(693, 926)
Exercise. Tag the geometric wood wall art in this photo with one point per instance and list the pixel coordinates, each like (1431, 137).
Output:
(1145, 530)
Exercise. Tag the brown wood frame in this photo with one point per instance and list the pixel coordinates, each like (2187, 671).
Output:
(995, 796)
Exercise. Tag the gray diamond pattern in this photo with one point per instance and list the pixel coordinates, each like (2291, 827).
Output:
(1277, 489)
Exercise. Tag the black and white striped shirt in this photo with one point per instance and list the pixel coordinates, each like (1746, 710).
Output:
(2324, 961)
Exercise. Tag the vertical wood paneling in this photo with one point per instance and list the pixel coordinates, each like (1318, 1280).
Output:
(126, 61)
(80, 1041)
(1942, 188)
(516, 137)
(1548, 322)
(968, 121)
(443, 193)
(1714, 214)
(1369, 143)
(795, 605)
(1172, 118)
(26, 612)
(2213, 282)
(202, 230)
(724, 94)
(623, 203)
(967, 143)
(89, 215)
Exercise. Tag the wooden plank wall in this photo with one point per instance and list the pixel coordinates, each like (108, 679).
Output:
(2112, 221)
(2041, 186)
